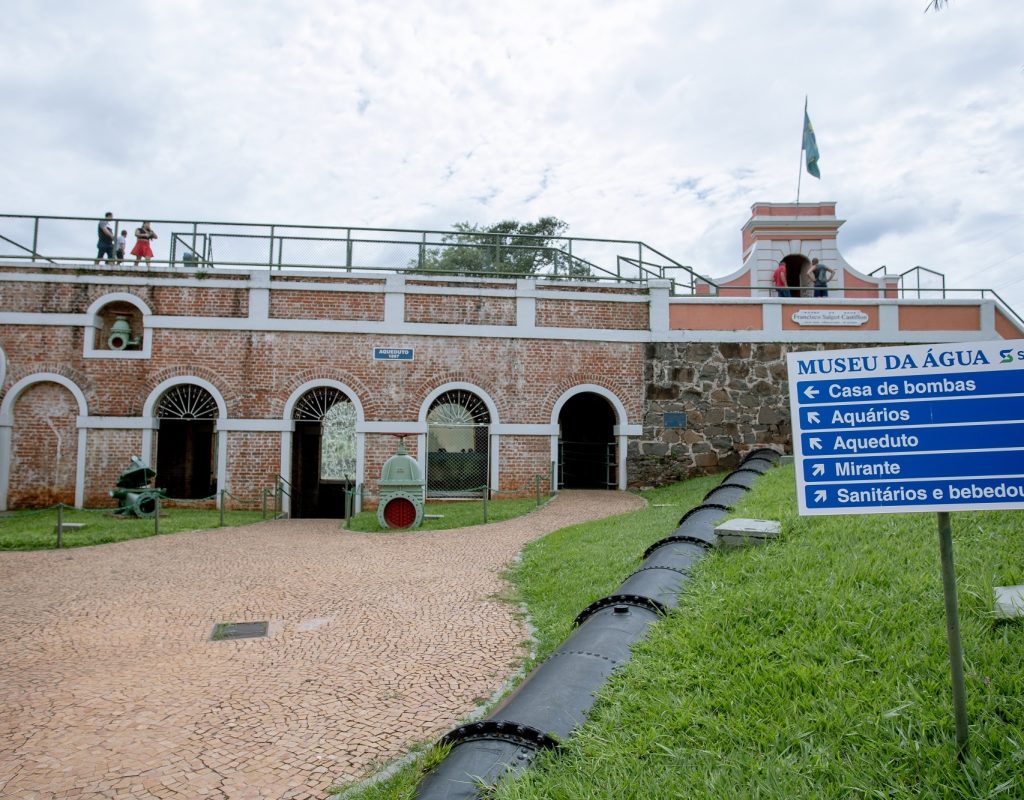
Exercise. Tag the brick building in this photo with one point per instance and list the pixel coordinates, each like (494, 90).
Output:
(228, 377)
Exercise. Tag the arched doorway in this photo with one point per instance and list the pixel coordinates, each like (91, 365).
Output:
(323, 453)
(586, 445)
(185, 450)
(797, 267)
(458, 424)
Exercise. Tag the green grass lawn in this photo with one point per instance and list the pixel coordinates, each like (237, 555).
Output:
(453, 514)
(814, 667)
(36, 530)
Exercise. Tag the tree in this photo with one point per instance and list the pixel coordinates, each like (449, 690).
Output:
(936, 5)
(508, 247)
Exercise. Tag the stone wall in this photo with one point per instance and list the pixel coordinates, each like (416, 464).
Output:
(734, 398)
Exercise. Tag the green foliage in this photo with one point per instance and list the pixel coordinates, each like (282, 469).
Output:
(507, 248)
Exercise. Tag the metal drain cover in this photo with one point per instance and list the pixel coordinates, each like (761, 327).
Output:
(238, 630)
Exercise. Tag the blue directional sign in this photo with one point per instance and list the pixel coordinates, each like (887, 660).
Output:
(921, 428)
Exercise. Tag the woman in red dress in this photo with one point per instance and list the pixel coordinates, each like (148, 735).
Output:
(142, 248)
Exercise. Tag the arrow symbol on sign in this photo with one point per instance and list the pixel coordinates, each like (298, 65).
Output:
(818, 469)
(811, 392)
(813, 417)
(820, 496)
(814, 443)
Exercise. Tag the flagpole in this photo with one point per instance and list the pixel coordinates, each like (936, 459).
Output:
(800, 163)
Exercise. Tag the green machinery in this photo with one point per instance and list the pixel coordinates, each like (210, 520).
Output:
(401, 491)
(135, 497)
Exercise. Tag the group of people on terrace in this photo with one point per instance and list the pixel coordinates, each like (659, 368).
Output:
(112, 247)
(818, 276)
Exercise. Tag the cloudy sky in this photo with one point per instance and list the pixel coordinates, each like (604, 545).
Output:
(659, 120)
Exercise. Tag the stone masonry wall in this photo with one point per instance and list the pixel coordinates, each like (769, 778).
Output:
(735, 397)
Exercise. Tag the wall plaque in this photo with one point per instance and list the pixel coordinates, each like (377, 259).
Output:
(830, 316)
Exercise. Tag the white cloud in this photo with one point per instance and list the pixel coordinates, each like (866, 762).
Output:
(661, 121)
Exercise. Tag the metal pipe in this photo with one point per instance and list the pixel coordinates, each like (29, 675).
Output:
(556, 697)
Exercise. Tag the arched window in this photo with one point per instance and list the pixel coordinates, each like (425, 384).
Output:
(457, 451)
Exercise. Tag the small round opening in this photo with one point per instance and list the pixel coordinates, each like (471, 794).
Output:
(399, 513)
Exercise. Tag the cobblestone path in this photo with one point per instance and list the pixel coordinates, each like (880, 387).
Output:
(111, 688)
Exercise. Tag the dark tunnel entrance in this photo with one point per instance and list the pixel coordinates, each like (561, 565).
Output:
(586, 443)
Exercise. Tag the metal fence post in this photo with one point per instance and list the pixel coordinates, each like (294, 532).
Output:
(263, 501)
(270, 256)
(536, 486)
(60, 525)
(35, 239)
(486, 495)
(223, 493)
(156, 517)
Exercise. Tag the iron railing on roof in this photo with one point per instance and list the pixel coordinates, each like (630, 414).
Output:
(209, 245)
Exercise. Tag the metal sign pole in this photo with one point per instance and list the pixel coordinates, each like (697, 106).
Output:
(956, 656)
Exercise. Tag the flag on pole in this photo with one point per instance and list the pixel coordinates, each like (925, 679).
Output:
(810, 146)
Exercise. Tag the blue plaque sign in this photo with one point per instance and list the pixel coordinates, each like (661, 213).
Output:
(393, 353)
(922, 428)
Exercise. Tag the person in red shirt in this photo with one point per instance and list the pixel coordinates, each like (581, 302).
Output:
(781, 280)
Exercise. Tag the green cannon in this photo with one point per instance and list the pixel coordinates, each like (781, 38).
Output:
(135, 497)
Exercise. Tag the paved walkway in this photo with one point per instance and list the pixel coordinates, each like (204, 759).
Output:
(111, 688)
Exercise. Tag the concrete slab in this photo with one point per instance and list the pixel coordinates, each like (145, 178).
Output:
(1009, 602)
(747, 532)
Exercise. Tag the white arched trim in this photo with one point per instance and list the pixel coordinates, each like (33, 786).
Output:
(287, 436)
(289, 406)
(149, 411)
(7, 406)
(95, 323)
(3, 366)
(493, 440)
(620, 429)
(492, 409)
(7, 421)
(117, 297)
(149, 407)
(590, 388)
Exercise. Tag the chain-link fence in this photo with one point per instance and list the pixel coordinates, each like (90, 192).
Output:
(457, 460)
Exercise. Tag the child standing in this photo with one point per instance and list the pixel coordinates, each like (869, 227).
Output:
(122, 242)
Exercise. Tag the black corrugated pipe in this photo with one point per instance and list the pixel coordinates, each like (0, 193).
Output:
(555, 698)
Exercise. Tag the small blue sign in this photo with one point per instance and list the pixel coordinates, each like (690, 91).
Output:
(393, 353)
(675, 419)
(923, 428)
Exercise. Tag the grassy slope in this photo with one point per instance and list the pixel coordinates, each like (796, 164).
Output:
(816, 667)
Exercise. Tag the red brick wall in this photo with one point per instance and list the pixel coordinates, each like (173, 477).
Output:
(523, 458)
(591, 314)
(254, 462)
(108, 454)
(191, 301)
(311, 304)
(44, 447)
(460, 309)
(256, 372)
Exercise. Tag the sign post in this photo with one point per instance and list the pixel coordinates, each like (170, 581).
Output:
(908, 429)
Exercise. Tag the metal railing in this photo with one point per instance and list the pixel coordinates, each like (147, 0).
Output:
(71, 241)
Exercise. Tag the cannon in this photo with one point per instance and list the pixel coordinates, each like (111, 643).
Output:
(135, 497)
